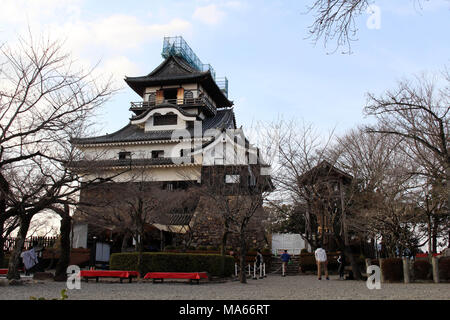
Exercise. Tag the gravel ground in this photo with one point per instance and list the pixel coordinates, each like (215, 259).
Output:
(271, 288)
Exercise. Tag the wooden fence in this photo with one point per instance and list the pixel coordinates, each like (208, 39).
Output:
(44, 242)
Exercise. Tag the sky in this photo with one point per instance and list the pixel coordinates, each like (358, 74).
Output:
(261, 46)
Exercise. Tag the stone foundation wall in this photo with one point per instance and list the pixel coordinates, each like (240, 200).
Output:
(208, 227)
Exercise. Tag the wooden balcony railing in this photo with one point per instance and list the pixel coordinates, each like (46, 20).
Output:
(201, 101)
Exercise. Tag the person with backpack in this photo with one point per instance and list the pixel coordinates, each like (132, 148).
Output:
(341, 261)
(259, 260)
(321, 259)
(285, 258)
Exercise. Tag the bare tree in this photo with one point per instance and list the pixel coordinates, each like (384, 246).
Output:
(335, 20)
(44, 101)
(129, 208)
(418, 112)
(383, 202)
(301, 149)
(238, 200)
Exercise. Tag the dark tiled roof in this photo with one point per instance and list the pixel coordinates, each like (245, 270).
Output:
(171, 68)
(128, 162)
(163, 105)
(175, 71)
(180, 219)
(224, 119)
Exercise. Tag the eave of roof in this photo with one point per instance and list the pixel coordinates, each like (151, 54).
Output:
(133, 134)
(160, 106)
(187, 75)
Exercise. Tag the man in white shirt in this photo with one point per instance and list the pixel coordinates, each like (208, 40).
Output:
(321, 260)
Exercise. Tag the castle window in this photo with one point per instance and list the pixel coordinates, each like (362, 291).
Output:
(165, 120)
(170, 94)
(124, 155)
(157, 154)
(232, 178)
(188, 95)
(169, 187)
(151, 98)
(186, 152)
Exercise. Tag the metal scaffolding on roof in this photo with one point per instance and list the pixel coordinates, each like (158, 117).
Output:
(177, 46)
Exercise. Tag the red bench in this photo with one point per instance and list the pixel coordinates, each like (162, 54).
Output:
(5, 271)
(108, 274)
(176, 275)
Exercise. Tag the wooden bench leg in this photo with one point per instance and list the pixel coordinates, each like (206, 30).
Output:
(130, 278)
(96, 279)
(121, 280)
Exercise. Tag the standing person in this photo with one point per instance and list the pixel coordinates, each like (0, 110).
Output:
(321, 259)
(29, 260)
(341, 261)
(285, 258)
(259, 260)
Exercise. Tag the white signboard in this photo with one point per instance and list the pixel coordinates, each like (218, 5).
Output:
(293, 243)
(79, 236)
(102, 251)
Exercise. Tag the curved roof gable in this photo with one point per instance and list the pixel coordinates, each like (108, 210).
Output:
(175, 71)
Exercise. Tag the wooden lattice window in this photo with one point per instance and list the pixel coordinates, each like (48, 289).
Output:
(165, 120)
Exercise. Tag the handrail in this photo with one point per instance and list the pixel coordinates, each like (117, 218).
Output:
(178, 102)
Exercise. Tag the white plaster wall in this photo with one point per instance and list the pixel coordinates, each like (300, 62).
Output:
(137, 151)
(153, 174)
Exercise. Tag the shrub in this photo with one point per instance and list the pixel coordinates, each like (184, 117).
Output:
(444, 268)
(307, 262)
(422, 270)
(393, 269)
(266, 251)
(202, 248)
(303, 251)
(375, 262)
(212, 248)
(173, 262)
(5, 262)
(170, 247)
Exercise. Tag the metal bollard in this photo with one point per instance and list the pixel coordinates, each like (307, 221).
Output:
(254, 271)
(260, 271)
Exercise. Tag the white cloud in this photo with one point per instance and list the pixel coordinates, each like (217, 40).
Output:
(23, 11)
(117, 33)
(210, 14)
(118, 67)
(214, 12)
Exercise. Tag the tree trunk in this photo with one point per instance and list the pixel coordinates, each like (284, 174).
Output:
(223, 252)
(140, 249)
(223, 247)
(355, 266)
(242, 275)
(4, 190)
(2, 242)
(123, 247)
(430, 247)
(13, 272)
(64, 258)
(434, 235)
